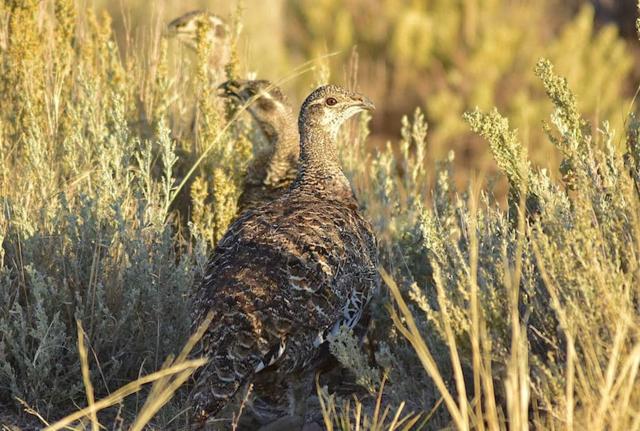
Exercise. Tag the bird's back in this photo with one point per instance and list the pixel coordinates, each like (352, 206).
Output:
(284, 276)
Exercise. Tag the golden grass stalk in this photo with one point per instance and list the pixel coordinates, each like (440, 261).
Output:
(163, 389)
(353, 418)
(235, 420)
(484, 411)
(128, 389)
(30, 410)
(517, 383)
(166, 381)
(412, 334)
(86, 378)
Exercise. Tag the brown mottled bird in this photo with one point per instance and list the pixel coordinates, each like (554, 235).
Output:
(290, 272)
(275, 158)
(187, 27)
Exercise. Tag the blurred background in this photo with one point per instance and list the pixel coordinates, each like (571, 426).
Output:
(442, 56)
(108, 217)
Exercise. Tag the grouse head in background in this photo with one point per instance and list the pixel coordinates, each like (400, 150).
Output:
(186, 28)
(265, 100)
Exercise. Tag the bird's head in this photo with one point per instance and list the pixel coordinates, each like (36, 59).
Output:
(266, 101)
(186, 28)
(329, 106)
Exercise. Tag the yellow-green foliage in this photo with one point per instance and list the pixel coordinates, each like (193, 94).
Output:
(451, 56)
(89, 195)
(540, 312)
(120, 169)
(223, 158)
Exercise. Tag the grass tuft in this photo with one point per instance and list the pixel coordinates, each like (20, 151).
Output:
(120, 170)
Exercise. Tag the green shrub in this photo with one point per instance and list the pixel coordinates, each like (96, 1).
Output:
(516, 315)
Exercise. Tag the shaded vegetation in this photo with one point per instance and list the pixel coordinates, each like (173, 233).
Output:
(119, 172)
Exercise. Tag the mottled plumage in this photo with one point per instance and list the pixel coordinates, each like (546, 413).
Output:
(290, 272)
(275, 158)
(186, 28)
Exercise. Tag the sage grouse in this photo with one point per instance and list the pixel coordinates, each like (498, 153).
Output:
(186, 28)
(289, 273)
(275, 158)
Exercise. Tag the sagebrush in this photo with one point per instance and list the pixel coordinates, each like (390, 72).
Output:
(120, 169)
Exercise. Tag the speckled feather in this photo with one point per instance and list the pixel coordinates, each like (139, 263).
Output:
(274, 164)
(289, 272)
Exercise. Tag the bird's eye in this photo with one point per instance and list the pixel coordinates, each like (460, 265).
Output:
(331, 101)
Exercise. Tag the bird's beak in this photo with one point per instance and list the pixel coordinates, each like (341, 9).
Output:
(229, 89)
(170, 31)
(364, 103)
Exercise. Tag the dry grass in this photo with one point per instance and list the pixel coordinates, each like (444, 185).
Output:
(493, 317)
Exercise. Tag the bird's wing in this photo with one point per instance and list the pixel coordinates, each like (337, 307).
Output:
(277, 282)
(258, 285)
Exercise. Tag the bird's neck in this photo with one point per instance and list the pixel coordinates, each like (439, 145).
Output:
(287, 145)
(275, 163)
(319, 168)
